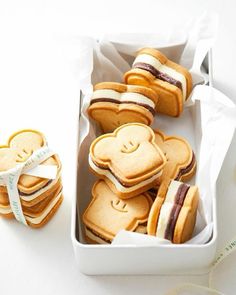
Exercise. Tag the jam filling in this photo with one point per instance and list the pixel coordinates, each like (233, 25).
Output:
(116, 176)
(157, 74)
(150, 109)
(179, 201)
(186, 169)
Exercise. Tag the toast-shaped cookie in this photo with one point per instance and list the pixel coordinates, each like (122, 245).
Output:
(29, 200)
(53, 203)
(181, 162)
(5, 208)
(106, 214)
(19, 148)
(127, 159)
(174, 211)
(39, 214)
(114, 104)
(171, 82)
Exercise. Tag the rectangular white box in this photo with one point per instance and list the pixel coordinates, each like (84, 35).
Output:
(122, 259)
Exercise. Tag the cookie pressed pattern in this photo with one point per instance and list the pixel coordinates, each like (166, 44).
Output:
(127, 159)
(106, 214)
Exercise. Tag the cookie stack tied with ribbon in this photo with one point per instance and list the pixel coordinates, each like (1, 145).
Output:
(30, 179)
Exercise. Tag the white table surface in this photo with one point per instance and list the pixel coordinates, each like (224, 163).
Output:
(39, 89)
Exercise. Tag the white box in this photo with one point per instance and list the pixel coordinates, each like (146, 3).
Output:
(122, 260)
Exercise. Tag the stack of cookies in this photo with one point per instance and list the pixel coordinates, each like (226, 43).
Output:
(140, 169)
(39, 197)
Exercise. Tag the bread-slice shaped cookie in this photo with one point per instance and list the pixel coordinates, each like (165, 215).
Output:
(30, 200)
(128, 159)
(36, 218)
(106, 214)
(5, 208)
(156, 207)
(36, 210)
(171, 82)
(39, 214)
(187, 217)
(114, 104)
(181, 162)
(174, 211)
(19, 148)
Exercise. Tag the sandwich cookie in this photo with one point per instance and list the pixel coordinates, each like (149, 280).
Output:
(128, 159)
(106, 214)
(36, 214)
(115, 104)
(30, 199)
(20, 147)
(173, 214)
(181, 162)
(32, 190)
(171, 82)
(39, 214)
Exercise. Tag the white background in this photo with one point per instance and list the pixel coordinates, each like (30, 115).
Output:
(39, 89)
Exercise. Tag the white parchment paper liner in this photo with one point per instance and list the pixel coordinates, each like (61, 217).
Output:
(208, 121)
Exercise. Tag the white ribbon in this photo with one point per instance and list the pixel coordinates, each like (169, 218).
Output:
(10, 177)
(189, 288)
